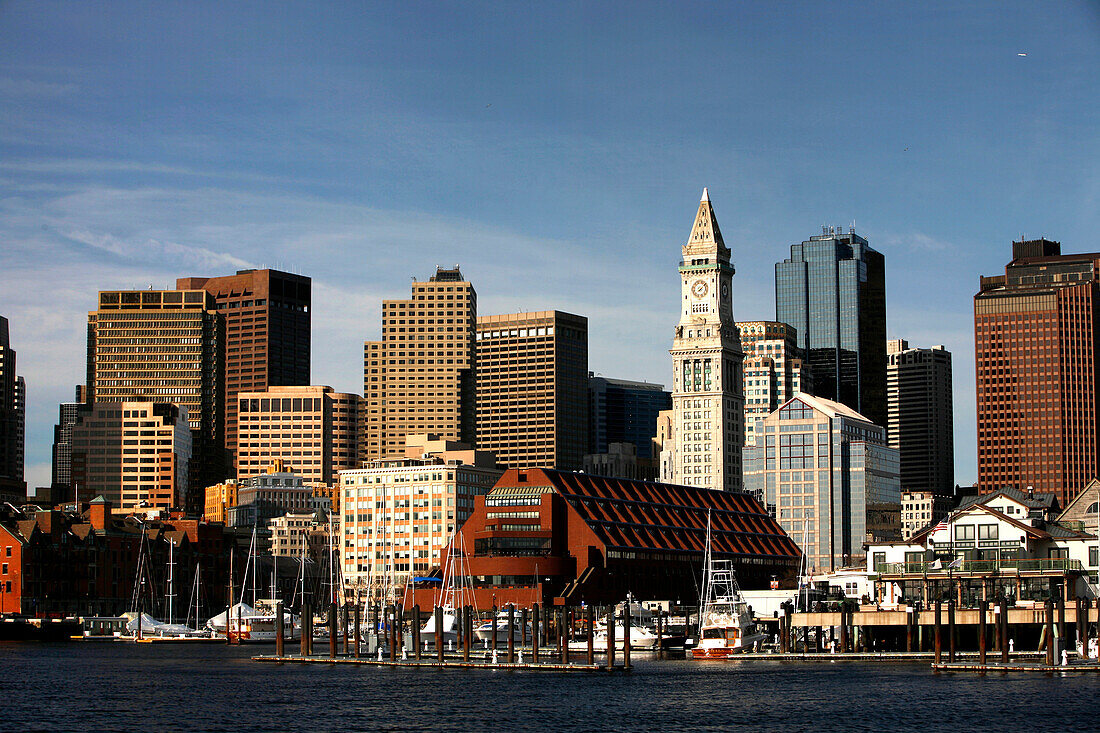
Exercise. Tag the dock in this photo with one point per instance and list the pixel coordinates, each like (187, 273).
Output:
(434, 664)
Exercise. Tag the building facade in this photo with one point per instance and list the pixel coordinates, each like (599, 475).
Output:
(621, 411)
(13, 488)
(165, 346)
(68, 414)
(563, 538)
(919, 412)
(707, 402)
(774, 369)
(267, 333)
(299, 534)
(830, 476)
(621, 460)
(219, 498)
(532, 392)
(920, 508)
(1036, 335)
(398, 514)
(267, 495)
(311, 430)
(832, 290)
(420, 378)
(136, 455)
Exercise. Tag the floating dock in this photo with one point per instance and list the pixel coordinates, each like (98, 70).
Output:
(434, 664)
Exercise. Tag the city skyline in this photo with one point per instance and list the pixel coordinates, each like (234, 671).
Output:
(134, 156)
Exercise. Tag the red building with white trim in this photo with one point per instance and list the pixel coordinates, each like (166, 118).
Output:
(563, 538)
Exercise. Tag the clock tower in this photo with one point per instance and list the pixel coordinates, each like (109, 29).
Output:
(707, 395)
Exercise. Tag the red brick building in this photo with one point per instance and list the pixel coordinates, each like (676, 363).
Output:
(57, 562)
(1037, 337)
(564, 538)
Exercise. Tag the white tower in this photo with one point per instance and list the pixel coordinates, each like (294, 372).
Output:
(707, 394)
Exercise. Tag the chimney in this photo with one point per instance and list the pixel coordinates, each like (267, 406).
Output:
(99, 513)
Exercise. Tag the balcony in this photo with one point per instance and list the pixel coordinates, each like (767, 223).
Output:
(1012, 565)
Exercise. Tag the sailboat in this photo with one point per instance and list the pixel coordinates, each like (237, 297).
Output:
(454, 593)
(726, 626)
(244, 623)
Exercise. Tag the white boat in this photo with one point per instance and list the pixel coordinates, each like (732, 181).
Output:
(484, 631)
(151, 627)
(454, 593)
(252, 625)
(726, 625)
(641, 638)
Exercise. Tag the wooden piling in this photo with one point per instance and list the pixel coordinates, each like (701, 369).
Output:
(493, 621)
(1063, 632)
(535, 632)
(399, 624)
(909, 614)
(523, 627)
(983, 608)
(843, 630)
(1079, 634)
(302, 639)
(416, 632)
(511, 633)
(626, 635)
(591, 626)
(344, 627)
(439, 640)
(279, 628)
(611, 639)
(391, 632)
(358, 630)
(563, 638)
(1003, 622)
(332, 630)
(1048, 625)
(951, 630)
(660, 634)
(466, 634)
(939, 633)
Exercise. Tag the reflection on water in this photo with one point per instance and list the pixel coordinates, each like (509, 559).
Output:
(130, 687)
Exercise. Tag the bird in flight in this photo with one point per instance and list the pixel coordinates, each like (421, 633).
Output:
(1021, 54)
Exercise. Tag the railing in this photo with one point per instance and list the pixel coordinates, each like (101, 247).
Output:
(979, 566)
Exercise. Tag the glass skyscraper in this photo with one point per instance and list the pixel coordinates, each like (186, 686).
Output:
(832, 289)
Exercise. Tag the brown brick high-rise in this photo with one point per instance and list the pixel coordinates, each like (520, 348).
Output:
(420, 378)
(1036, 338)
(267, 334)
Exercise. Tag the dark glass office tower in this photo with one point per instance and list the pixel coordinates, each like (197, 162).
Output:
(832, 289)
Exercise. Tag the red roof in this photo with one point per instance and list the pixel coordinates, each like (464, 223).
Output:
(642, 515)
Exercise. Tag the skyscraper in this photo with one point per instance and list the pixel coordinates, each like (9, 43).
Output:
(832, 289)
(532, 389)
(621, 411)
(420, 378)
(12, 422)
(918, 389)
(267, 333)
(707, 403)
(165, 346)
(774, 369)
(1036, 335)
(312, 430)
(68, 415)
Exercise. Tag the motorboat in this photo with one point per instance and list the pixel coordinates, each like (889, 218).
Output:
(726, 626)
(484, 631)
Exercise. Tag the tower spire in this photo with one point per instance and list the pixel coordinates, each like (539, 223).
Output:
(705, 232)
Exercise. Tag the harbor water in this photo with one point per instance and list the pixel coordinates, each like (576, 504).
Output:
(128, 687)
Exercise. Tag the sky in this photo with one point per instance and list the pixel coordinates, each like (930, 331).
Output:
(556, 151)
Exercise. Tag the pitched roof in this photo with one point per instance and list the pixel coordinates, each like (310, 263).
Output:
(643, 515)
(705, 229)
(829, 407)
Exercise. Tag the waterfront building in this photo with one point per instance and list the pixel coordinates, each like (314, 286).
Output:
(137, 455)
(419, 378)
(267, 334)
(298, 534)
(707, 402)
(532, 392)
(1005, 543)
(1083, 512)
(12, 422)
(1036, 336)
(262, 497)
(165, 346)
(774, 369)
(219, 498)
(311, 430)
(564, 538)
(832, 290)
(397, 514)
(920, 508)
(621, 460)
(919, 413)
(830, 477)
(622, 411)
(84, 562)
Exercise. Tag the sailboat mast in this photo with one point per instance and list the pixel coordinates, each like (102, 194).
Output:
(171, 581)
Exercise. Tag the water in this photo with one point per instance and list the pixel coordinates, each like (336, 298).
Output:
(128, 687)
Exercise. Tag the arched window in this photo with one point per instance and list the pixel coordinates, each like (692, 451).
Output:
(1093, 508)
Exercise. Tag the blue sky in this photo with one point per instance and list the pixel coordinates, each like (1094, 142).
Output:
(556, 151)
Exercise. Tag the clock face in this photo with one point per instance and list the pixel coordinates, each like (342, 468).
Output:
(725, 290)
(699, 288)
